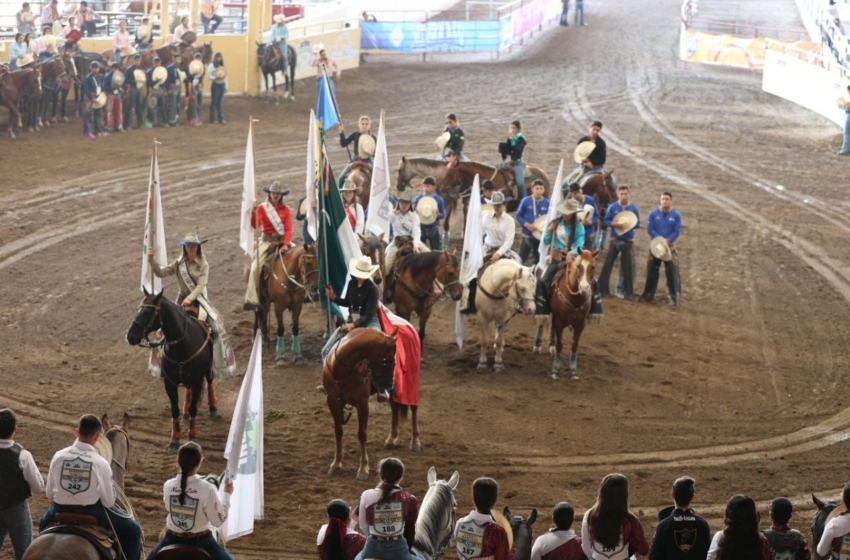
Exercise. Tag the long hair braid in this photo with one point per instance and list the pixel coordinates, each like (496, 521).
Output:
(188, 458)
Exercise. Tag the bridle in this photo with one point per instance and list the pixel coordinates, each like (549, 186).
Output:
(292, 279)
(502, 296)
(565, 300)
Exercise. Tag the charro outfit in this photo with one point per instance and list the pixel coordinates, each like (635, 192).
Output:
(499, 234)
(134, 97)
(19, 479)
(190, 522)
(353, 542)
(683, 535)
(528, 211)
(278, 35)
(511, 151)
(669, 226)
(362, 303)
(621, 244)
(275, 222)
(479, 536)
(558, 544)
(92, 87)
(543, 288)
(403, 224)
(113, 112)
(390, 525)
(80, 481)
(631, 542)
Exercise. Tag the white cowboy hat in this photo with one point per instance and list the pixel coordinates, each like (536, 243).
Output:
(348, 185)
(366, 145)
(192, 239)
(407, 195)
(583, 151)
(427, 209)
(23, 60)
(586, 213)
(117, 79)
(539, 225)
(318, 47)
(842, 103)
(159, 75)
(568, 206)
(659, 249)
(99, 101)
(624, 222)
(57, 27)
(104, 448)
(362, 267)
(443, 139)
(279, 18)
(181, 74)
(144, 31)
(140, 77)
(302, 208)
(127, 51)
(220, 74)
(498, 198)
(196, 68)
(27, 17)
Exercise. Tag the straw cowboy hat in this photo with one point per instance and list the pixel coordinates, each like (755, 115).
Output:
(318, 47)
(144, 31)
(117, 79)
(443, 139)
(366, 145)
(277, 188)
(196, 68)
(302, 208)
(159, 75)
(498, 198)
(27, 17)
(99, 102)
(659, 249)
(104, 448)
(624, 222)
(220, 74)
(347, 186)
(583, 151)
(568, 207)
(192, 239)
(407, 196)
(427, 209)
(279, 18)
(362, 267)
(24, 59)
(586, 213)
(140, 77)
(57, 27)
(539, 226)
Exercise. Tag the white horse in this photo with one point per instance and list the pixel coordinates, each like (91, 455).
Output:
(505, 289)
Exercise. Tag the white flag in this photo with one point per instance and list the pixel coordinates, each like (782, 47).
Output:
(552, 215)
(312, 176)
(378, 221)
(154, 230)
(473, 253)
(249, 195)
(244, 450)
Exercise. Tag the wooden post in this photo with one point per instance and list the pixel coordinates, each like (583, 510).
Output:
(259, 21)
(195, 16)
(164, 18)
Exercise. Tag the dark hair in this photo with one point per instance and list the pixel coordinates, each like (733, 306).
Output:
(597, 123)
(430, 181)
(188, 458)
(667, 193)
(485, 491)
(157, 59)
(741, 539)
(391, 470)
(574, 187)
(333, 545)
(7, 423)
(563, 515)
(21, 35)
(137, 55)
(451, 117)
(538, 182)
(46, 28)
(84, 3)
(221, 56)
(781, 509)
(94, 65)
(89, 425)
(610, 510)
(116, 65)
(176, 55)
(683, 490)
(488, 185)
(623, 188)
(845, 495)
(25, 5)
(517, 125)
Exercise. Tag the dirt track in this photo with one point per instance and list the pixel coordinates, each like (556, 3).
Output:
(740, 387)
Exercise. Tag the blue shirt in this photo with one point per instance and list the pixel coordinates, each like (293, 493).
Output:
(563, 235)
(613, 209)
(15, 50)
(668, 225)
(529, 210)
(594, 221)
(279, 33)
(441, 208)
(173, 78)
(90, 85)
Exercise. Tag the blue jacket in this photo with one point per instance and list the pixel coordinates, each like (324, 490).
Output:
(90, 85)
(594, 221)
(613, 209)
(526, 212)
(173, 78)
(563, 230)
(441, 209)
(667, 225)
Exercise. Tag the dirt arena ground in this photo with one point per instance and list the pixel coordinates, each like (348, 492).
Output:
(740, 387)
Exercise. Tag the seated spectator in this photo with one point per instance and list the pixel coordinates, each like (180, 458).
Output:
(337, 539)
(561, 542)
(740, 539)
(832, 540)
(478, 535)
(681, 534)
(784, 541)
(388, 516)
(609, 531)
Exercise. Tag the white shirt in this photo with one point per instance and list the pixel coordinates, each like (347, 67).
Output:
(27, 464)
(546, 543)
(359, 217)
(406, 224)
(121, 40)
(368, 498)
(590, 547)
(179, 31)
(837, 527)
(201, 507)
(78, 476)
(499, 232)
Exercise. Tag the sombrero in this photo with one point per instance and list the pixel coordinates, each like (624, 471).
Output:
(407, 196)
(276, 187)
(140, 77)
(366, 145)
(302, 207)
(539, 226)
(104, 448)
(23, 60)
(117, 79)
(586, 213)
(347, 186)
(192, 239)
(318, 47)
(443, 139)
(624, 222)
(362, 267)
(498, 198)
(152, 101)
(159, 75)
(189, 37)
(583, 151)
(568, 206)
(428, 210)
(279, 18)
(73, 36)
(220, 74)
(99, 101)
(57, 27)
(143, 32)
(196, 68)
(27, 17)
(659, 249)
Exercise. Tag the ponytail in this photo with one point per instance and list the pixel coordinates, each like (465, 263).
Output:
(333, 545)
(188, 458)
(573, 223)
(392, 470)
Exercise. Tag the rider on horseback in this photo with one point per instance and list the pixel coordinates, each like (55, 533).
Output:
(277, 37)
(593, 162)
(452, 139)
(406, 229)
(275, 220)
(364, 145)
(567, 235)
(511, 151)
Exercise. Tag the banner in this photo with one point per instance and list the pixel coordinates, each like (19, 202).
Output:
(244, 450)
(430, 36)
(473, 253)
(554, 200)
(721, 50)
(249, 195)
(312, 175)
(378, 221)
(154, 230)
(326, 105)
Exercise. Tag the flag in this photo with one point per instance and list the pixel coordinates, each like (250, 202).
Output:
(154, 230)
(249, 195)
(378, 221)
(244, 450)
(326, 105)
(312, 175)
(554, 200)
(473, 253)
(408, 356)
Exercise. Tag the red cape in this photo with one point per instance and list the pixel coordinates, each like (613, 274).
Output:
(408, 358)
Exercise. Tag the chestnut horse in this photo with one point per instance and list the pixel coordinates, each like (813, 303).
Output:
(571, 297)
(603, 188)
(361, 364)
(413, 289)
(13, 87)
(293, 277)
(360, 173)
(54, 77)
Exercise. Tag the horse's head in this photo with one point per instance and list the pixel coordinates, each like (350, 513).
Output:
(374, 247)
(147, 318)
(450, 278)
(310, 269)
(582, 269)
(435, 523)
(820, 519)
(402, 178)
(521, 529)
(262, 53)
(524, 282)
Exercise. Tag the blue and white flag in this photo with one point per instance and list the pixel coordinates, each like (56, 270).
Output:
(326, 105)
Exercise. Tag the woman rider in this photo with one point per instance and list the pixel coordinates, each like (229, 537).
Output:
(353, 208)
(567, 235)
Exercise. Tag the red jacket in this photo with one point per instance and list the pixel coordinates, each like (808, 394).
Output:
(260, 220)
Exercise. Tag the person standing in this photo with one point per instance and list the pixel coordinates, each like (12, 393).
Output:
(277, 37)
(845, 146)
(86, 19)
(208, 15)
(431, 232)
(274, 219)
(590, 220)
(156, 113)
(24, 19)
(195, 80)
(50, 13)
(322, 61)
(172, 90)
(681, 534)
(565, 18)
(622, 244)
(114, 112)
(530, 208)
(666, 223)
(580, 13)
(92, 88)
(120, 41)
(217, 74)
(19, 479)
(134, 93)
(511, 151)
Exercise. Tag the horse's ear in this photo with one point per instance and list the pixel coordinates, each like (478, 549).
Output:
(453, 481)
(145, 290)
(817, 502)
(596, 252)
(432, 476)
(105, 421)
(404, 157)
(362, 237)
(507, 512)
(125, 422)
(532, 518)
(610, 172)
(381, 237)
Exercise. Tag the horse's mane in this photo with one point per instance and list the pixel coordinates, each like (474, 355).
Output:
(419, 262)
(374, 242)
(426, 162)
(438, 499)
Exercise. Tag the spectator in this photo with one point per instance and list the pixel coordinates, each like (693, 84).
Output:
(622, 243)
(565, 19)
(784, 541)
(208, 9)
(144, 36)
(477, 535)
(609, 531)
(217, 74)
(121, 42)
(845, 146)
(181, 30)
(833, 14)
(50, 13)
(530, 208)
(337, 539)
(832, 539)
(24, 19)
(580, 13)
(86, 19)
(369, 17)
(72, 25)
(388, 516)
(46, 44)
(561, 542)
(681, 534)
(740, 539)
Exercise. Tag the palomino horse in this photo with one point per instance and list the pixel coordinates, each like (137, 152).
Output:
(825, 512)
(271, 61)
(571, 297)
(288, 285)
(505, 289)
(358, 366)
(435, 522)
(414, 284)
(13, 87)
(521, 532)
(360, 173)
(187, 358)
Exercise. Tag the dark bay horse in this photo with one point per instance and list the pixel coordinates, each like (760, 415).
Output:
(186, 360)
(374, 247)
(522, 534)
(413, 288)
(14, 88)
(461, 174)
(603, 188)
(571, 298)
(54, 77)
(271, 61)
(294, 276)
(825, 512)
(436, 520)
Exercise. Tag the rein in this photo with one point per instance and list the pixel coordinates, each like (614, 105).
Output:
(566, 300)
(165, 342)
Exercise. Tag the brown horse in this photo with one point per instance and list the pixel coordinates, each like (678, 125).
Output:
(571, 298)
(361, 364)
(13, 87)
(603, 188)
(461, 174)
(54, 76)
(293, 277)
(414, 284)
(374, 247)
(360, 173)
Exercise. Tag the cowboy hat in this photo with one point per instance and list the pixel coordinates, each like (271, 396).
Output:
(624, 222)
(427, 209)
(73, 36)
(181, 74)
(99, 101)
(348, 186)
(318, 47)
(568, 206)
(23, 60)
(583, 151)
(220, 74)
(57, 27)
(498, 198)
(140, 77)
(586, 213)
(539, 227)
(842, 103)
(302, 208)
(104, 448)
(276, 188)
(196, 68)
(144, 31)
(659, 249)
(189, 37)
(362, 267)
(279, 18)
(127, 51)
(27, 17)
(366, 145)
(159, 75)
(407, 196)
(117, 79)
(443, 139)
(192, 239)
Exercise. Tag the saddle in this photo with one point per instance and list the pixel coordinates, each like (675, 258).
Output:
(182, 552)
(87, 527)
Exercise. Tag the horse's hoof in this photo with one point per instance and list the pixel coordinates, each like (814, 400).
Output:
(292, 98)
(362, 476)
(213, 412)
(573, 375)
(280, 361)
(297, 359)
(416, 448)
(390, 445)
(536, 350)
(555, 375)
(552, 350)
(174, 445)
(481, 365)
(498, 366)
(333, 471)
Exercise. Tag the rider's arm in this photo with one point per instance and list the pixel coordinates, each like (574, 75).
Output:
(829, 534)
(103, 472)
(441, 207)
(343, 141)
(163, 271)
(201, 284)
(287, 227)
(510, 234)
(216, 510)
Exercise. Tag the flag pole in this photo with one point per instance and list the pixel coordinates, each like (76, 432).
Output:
(333, 102)
(153, 214)
(256, 260)
(323, 217)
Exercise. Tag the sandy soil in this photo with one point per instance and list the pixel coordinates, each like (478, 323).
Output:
(739, 387)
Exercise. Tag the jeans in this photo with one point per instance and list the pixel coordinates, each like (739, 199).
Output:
(89, 28)
(845, 147)
(671, 270)
(627, 265)
(375, 323)
(207, 542)
(529, 246)
(579, 12)
(215, 18)
(305, 233)
(432, 238)
(284, 53)
(171, 107)
(217, 91)
(519, 178)
(17, 521)
(116, 53)
(94, 121)
(160, 108)
(127, 530)
(395, 550)
(133, 105)
(565, 20)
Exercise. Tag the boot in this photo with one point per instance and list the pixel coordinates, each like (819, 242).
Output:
(596, 312)
(542, 304)
(470, 301)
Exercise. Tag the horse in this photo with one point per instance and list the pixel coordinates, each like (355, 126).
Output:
(54, 76)
(825, 512)
(358, 366)
(603, 188)
(374, 247)
(360, 173)
(505, 289)
(522, 534)
(186, 360)
(270, 61)
(436, 520)
(288, 285)
(571, 307)
(414, 284)
(60, 100)
(13, 87)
